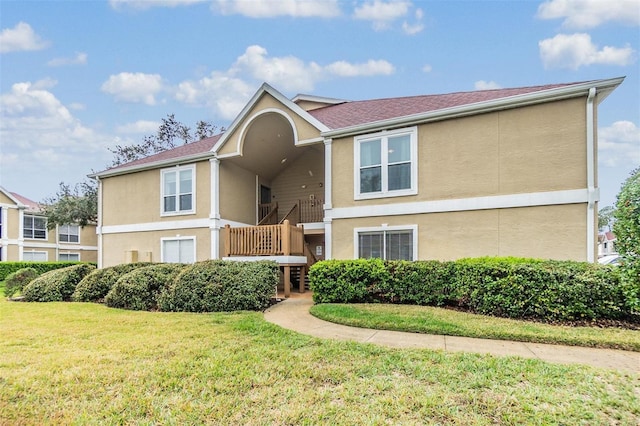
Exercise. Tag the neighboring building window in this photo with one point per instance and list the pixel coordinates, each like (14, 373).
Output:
(389, 243)
(69, 257)
(386, 164)
(35, 227)
(178, 190)
(34, 256)
(180, 250)
(69, 234)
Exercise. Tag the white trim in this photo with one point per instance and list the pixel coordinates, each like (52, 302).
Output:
(327, 174)
(591, 180)
(62, 246)
(233, 224)
(214, 216)
(385, 228)
(177, 169)
(69, 253)
(58, 233)
(556, 94)
(173, 225)
(99, 227)
(254, 117)
(463, 204)
(317, 99)
(176, 161)
(383, 137)
(328, 229)
(177, 238)
(312, 225)
(311, 141)
(281, 260)
(46, 230)
(265, 88)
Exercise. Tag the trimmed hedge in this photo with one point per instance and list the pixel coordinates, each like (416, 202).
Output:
(139, 289)
(221, 286)
(508, 287)
(16, 281)
(7, 268)
(95, 286)
(57, 285)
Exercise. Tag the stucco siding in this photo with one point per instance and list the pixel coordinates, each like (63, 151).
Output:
(527, 231)
(138, 194)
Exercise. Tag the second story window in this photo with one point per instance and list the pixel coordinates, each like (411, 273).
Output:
(178, 186)
(35, 227)
(69, 234)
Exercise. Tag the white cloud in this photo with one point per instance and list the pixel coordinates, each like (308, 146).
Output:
(381, 13)
(79, 59)
(619, 145)
(46, 139)
(20, 38)
(148, 4)
(576, 50)
(582, 14)
(415, 28)
(134, 87)
(139, 127)
(270, 8)
(226, 92)
(427, 68)
(486, 85)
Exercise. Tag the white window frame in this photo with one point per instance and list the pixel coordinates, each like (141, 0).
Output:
(34, 216)
(46, 256)
(176, 170)
(385, 228)
(384, 137)
(68, 254)
(178, 238)
(68, 234)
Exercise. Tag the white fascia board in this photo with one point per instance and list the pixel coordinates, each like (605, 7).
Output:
(318, 99)
(535, 199)
(266, 88)
(582, 89)
(154, 165)
(12, 198)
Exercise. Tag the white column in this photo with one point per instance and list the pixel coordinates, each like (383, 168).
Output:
(593, 194)
(99, 227)
(328, 202)
(214, 216)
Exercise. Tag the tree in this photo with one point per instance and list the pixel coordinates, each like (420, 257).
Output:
(169, 132)
(605, 218)
(79, 204)
(627, 226)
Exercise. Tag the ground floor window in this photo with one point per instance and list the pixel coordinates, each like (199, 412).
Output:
(179, 250)
(389, 243)
(69, 257)
(34, 256)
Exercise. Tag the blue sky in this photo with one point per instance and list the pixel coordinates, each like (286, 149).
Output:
(79, 77)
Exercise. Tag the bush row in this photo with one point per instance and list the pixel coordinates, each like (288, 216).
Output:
(506, 287)
(7, 268)
(16, 281)
(209, 286)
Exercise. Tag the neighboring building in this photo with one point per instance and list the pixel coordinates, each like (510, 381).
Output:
(505, 172)
(24, 235)
(606, 244)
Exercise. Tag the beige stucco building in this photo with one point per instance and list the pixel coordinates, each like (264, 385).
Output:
(24, 235)
(505, 172)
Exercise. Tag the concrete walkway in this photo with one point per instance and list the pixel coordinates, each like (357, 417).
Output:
(293, 314)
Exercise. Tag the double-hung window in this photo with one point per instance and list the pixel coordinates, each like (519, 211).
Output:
(34, 227)
(69, 234)
(69, 257)
(386, 164)
(388, 243)
(34, 256)
(178, 188)
(179, 250)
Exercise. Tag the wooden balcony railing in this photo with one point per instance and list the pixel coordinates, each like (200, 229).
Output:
(311, 210)
(267, 213)
(264, 240)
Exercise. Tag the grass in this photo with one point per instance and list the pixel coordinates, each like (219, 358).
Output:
(80, 363)
(431, 320)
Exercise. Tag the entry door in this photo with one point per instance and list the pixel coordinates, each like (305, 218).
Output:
(265, 194)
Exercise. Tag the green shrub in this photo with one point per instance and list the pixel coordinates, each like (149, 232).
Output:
(139, 289)
(7, 268)
(56, 285)
(16, 281)
(508, 287)
(95, 286)
(221, 286)
(349, 281)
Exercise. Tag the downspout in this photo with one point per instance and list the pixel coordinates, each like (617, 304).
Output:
(99, 227)
(593, 193)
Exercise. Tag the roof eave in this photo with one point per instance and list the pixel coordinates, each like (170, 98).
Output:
(603, 89)
(153, 165)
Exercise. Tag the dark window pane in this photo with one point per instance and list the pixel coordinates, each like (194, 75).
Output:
(399, 245)
(170, 204)
(370, 180)
(370, 245)
(399, 176)
(185, 202)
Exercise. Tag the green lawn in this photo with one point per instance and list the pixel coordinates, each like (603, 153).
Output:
(75, 363)
(425, 319)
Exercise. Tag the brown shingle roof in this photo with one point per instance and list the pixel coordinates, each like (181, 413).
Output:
(361, 112)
